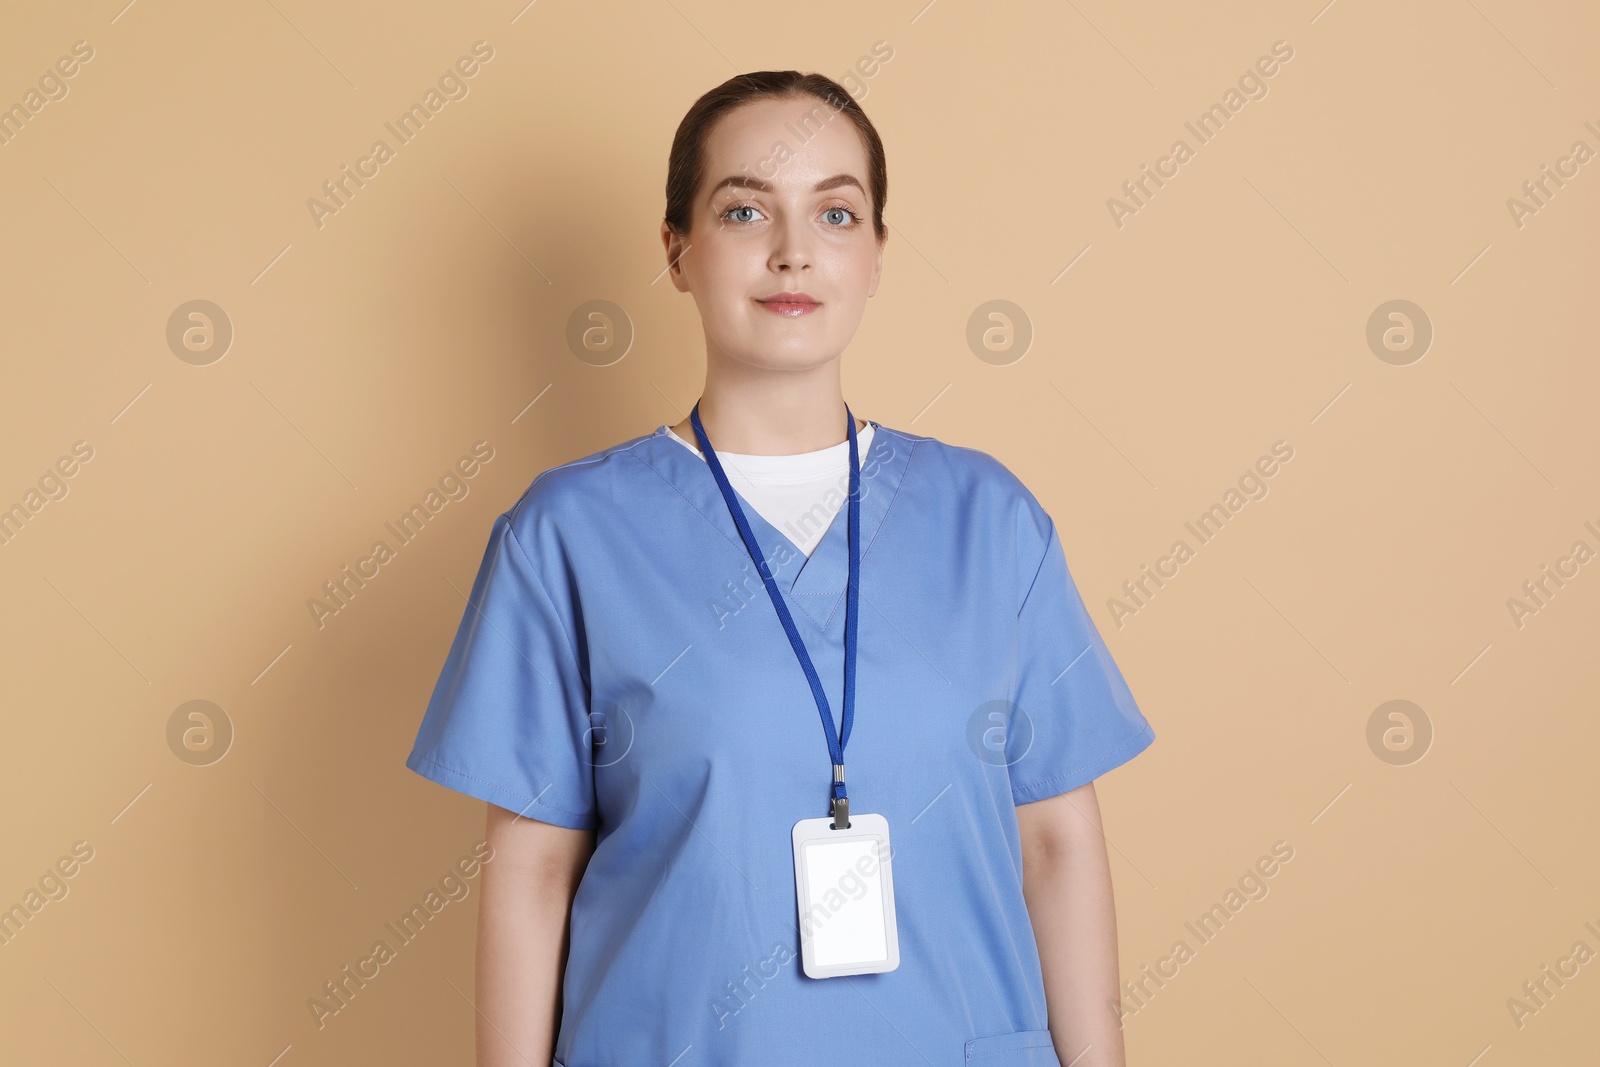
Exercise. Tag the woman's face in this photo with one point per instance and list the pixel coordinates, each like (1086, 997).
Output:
(772, 230)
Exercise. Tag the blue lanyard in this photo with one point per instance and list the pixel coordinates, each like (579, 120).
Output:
(840, 805)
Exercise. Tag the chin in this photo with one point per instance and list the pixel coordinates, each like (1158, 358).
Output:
(784, 357)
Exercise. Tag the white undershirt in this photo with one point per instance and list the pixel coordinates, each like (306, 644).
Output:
(798, 494)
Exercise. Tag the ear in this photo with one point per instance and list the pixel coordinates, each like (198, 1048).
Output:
(877, 265)
(675, 247)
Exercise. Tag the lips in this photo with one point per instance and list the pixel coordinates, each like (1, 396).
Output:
(787, 303)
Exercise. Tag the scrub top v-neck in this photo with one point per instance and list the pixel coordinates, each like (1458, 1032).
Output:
(620, 668)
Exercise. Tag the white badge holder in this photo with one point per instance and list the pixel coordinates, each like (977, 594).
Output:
(844, 891)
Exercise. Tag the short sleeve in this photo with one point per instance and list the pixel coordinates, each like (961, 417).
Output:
(508, 720)
(1081, 719)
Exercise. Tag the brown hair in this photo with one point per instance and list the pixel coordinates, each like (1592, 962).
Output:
(686, 163)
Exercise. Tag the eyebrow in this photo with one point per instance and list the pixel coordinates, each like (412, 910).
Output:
(757, 184)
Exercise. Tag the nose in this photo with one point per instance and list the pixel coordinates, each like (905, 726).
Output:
(791, 247)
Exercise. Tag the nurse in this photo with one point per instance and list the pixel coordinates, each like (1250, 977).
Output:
(787, 721)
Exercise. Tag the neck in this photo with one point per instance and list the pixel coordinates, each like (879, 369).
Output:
(772, 414)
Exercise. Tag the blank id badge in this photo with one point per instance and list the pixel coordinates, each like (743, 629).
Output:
(844, 889)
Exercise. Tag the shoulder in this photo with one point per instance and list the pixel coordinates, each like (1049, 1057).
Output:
(978, 484)
(579, 492)
(972, 466)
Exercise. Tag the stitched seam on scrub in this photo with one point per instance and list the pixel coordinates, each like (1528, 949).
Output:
(784, 478)
(651, 467)
(874, 539)
(990, 456)
(500, 788)
(1049, 538)
(538, 583)
(1004, 1051)
(572, 646)
(1109, 750)
(736, 543)
(612, 451)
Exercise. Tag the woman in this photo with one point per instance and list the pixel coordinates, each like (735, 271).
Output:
(639, 702)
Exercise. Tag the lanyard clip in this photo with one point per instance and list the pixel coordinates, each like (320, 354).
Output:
(841, 802)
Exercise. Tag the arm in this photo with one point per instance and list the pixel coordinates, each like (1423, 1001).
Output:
(1067, 886)
(522, 936)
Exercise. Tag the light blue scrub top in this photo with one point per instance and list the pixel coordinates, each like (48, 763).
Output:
(621, 668)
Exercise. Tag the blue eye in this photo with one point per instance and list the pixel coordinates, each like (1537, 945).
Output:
(850, 218)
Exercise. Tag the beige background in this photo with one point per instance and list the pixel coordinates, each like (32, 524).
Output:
(1228, 313)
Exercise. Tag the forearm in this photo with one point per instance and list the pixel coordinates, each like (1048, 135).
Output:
(522, 933)
(1067, 887)
(523, 916)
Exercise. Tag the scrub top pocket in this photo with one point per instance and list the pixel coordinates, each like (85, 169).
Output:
(1024, 1048)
